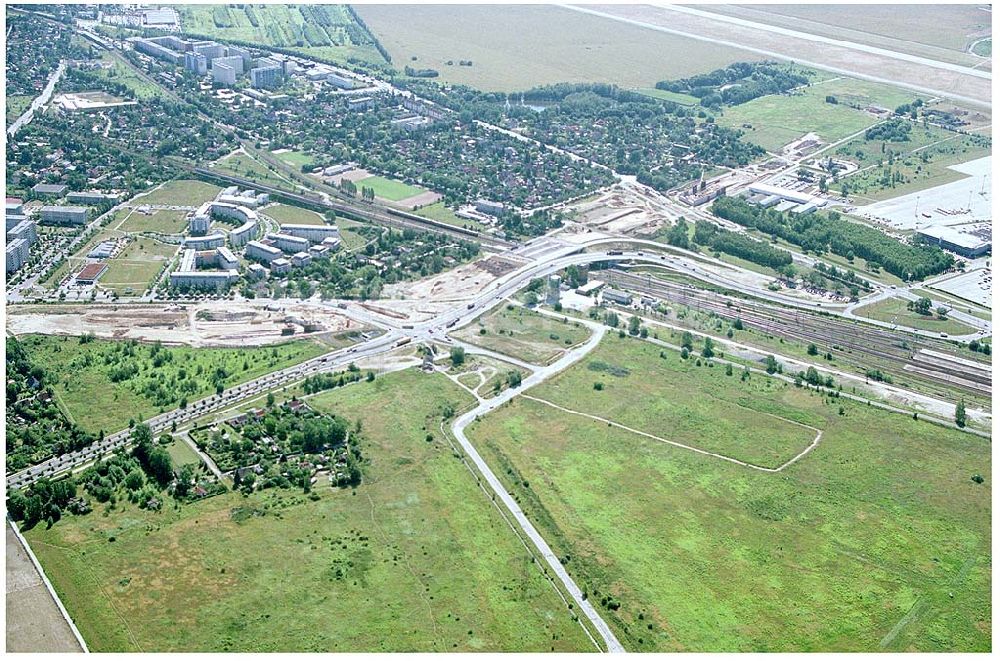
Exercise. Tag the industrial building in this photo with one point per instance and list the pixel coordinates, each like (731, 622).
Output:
(311, 233)
(64, 215)
(956, 241)
(616, 296)
(103, 250)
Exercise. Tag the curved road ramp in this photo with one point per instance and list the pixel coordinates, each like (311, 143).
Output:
(35, 620)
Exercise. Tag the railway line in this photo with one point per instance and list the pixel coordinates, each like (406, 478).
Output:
(907, 357)
(373, 214)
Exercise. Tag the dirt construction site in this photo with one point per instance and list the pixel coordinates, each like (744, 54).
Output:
(215, 324)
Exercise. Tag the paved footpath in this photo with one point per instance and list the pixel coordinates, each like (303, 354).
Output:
(35, 620)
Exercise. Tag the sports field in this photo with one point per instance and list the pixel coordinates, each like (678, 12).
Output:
(878, 540)
(180, 192)
(414, 559)
(137, 266)
(524, 334)
(515, 47)
(389, 189)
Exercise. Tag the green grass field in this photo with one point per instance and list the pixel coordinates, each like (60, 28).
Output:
(415, 559)
(284, 213)
(878, 540)
(16, 105)
(182, 454)
(777, 120)
(893, 310)
(523, 334)
(180, 192)
(940, 148)
(164, 221)
(123, 74)
(295, 158)
(389, 189)
(983, 48)
(81, 372)
(518, 47)
(137, 266)
(648, 393)
(439, 212)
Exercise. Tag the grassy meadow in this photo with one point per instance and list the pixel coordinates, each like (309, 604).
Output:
(878, 540)
(414, 559)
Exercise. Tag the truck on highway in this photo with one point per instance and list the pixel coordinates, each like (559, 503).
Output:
(405, 340)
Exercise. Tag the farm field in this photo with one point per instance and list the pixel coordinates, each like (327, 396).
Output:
(876, 540)
(180, 192)
(518, 47)
(81, 371)
(326, 31)
(521, 333)
(164, 221)
(415, 558)
(893, 310)
(285, 213)
(389, 189)
(137, 266)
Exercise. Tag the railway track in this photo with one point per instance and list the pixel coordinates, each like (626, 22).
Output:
(894, 353)
(373, 214)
